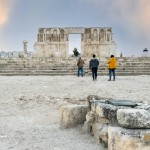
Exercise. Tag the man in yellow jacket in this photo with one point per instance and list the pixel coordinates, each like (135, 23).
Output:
(112, 66)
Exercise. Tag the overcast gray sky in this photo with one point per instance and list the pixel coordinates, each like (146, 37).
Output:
(129, 19)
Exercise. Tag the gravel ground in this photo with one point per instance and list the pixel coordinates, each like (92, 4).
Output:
(29, 109)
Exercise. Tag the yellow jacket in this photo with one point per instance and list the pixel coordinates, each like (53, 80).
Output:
(112, 63)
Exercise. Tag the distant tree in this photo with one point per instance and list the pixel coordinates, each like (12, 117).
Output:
(75, 52)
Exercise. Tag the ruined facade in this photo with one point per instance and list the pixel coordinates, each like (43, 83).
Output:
(53, 42)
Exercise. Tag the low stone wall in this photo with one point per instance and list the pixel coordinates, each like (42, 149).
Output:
(121, 125)
(118, 124)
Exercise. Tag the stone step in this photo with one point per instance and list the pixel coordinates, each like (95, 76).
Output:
(64, 70)
(35, 67)
(72, 63)
(62, 74)
(70, 67)
(53, 70)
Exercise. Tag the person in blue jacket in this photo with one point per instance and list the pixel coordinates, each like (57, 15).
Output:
(93, 65)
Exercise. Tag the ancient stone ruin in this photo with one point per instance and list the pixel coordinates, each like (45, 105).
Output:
(51, 54)
(126, 66)
(118, 124)
(53, 42)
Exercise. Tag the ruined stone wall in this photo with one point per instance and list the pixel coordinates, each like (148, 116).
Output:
(53, 42)
(98, 41)
(118, 124)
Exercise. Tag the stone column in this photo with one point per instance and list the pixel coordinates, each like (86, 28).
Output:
(110, 37)
(38, 37)
(25, 48)
(67, 44)
(105, 36)
(43, 37)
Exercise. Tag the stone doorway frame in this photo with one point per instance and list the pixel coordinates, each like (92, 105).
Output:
(53, 42)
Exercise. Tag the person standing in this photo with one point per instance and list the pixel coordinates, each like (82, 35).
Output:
(111, 67)
(93, 65)
(80, 64)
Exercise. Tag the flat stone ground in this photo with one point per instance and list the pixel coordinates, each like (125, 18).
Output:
(29, 108)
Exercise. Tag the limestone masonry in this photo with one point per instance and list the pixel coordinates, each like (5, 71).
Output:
(118, 124)
(126, 66)
(53, 42)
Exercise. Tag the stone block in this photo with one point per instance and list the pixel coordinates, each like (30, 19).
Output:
(102, 120)
(93, 100)
(94, 103)
(87, 127)
(104, 134)
(100, 132)
(90, 98)
(133, 118)
(106, 111)
(128, 139)
(96, 127)
(93, 107)
(72, 115)
(90, 117)
(143, 106)
(126, 103)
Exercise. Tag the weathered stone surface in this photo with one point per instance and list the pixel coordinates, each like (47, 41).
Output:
(102, 120)
(126, 103)
(143, 106)
(128, 139)
(87, 127)
(53, 42)
(133, 118)
(100, 132)
(90, 117)
(94, 103)
(90, 99)
(106, 111)
(104, 134)
(96, 128)
(72, 115)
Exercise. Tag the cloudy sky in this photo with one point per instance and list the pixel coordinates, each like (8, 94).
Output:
(129, 19)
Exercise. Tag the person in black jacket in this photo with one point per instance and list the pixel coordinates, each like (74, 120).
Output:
(93, 65)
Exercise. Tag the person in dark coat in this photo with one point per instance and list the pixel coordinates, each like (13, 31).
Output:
(93, 65)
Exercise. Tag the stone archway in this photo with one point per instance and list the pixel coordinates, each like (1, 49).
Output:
(93, 40)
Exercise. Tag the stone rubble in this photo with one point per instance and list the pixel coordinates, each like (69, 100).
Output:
(133, 118)
(120, 126)
(128, 139)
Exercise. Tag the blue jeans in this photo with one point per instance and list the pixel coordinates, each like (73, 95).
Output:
(80, 69)
(112, 71)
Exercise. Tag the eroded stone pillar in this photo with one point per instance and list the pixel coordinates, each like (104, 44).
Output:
(25, 46)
